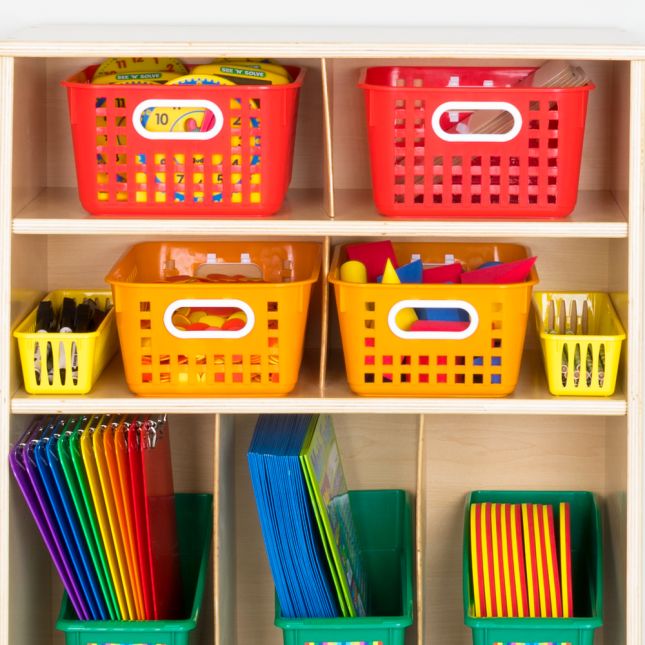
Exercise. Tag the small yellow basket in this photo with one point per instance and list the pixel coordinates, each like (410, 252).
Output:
(581, 337)
(65, 363)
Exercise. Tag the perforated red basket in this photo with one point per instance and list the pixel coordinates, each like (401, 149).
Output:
(240, 165)
(422, 165)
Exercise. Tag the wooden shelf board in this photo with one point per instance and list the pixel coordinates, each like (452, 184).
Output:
(597, 214)
(530, 397)
(336, 41)
(57, 211)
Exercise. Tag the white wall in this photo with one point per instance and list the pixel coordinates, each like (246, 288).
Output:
(626, 14)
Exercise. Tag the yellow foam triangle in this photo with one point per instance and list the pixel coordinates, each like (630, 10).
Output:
(389, 274)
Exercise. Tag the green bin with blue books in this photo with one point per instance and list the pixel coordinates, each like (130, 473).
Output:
(382, 519)
(194, 528)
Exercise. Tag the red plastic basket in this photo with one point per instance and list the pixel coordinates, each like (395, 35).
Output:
(421, 168)
(240, 166)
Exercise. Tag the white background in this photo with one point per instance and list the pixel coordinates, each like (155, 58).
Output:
(625, 14)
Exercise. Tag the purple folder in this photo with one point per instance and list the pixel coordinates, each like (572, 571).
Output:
(26, 474)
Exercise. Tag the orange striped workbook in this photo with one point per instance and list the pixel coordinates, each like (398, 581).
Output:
(519, 567)
(476, 560)
(530, 555)
(565, 560)
(499, 578)
(552, 561)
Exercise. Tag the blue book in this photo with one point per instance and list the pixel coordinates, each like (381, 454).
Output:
(293, 543)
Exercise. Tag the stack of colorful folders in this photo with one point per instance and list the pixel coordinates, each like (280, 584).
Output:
(521, 560)
(306, 517)
(101, 492)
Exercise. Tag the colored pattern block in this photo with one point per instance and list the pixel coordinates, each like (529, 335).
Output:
(374, 255)
(504, 273)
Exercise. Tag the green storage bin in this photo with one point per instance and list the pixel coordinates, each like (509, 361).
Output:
(586, 562)
(195, 525)
(384, 526)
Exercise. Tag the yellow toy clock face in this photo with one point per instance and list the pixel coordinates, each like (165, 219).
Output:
(181, 119)
(139, 65)
(135, 78)
(245, 73)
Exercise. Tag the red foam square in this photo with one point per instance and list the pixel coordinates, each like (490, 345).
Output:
(374, 255)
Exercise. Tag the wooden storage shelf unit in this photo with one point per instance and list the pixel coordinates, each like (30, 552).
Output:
(437, 448)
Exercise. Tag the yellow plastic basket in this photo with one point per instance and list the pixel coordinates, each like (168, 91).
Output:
(576, 363)
(483, 360)
(89, 352)
(261, 358)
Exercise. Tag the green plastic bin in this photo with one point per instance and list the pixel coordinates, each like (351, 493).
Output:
(384, 526)
(586, 562)
(195, 525)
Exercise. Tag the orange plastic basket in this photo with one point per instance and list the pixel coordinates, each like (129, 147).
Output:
(482, 360)
(262, 357)
(422, 165)
(240, 166)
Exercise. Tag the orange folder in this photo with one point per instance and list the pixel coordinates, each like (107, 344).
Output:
(113, 518)
(120, 496)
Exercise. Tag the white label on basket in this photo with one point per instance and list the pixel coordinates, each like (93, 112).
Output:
(175, 127)
(212, 309)
(470, 318)
(473, 106)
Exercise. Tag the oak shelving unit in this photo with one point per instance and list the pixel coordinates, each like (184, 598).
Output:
(438, 449)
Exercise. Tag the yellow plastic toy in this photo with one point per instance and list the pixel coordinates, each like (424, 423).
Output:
(353, 271)
(140, 64)
(266, 65)
(406, 317)
(135, 78)
(243, 74)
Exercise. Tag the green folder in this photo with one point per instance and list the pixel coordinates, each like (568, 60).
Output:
(323, 470)
(69, 452)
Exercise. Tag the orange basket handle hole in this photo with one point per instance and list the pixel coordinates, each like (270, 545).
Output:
(195, 318)
(433, 319)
